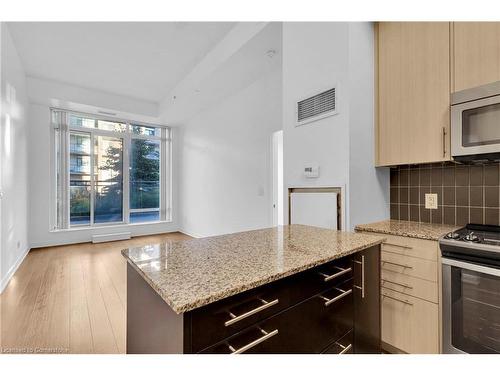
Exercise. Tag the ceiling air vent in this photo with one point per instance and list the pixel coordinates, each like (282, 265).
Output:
(316, 107)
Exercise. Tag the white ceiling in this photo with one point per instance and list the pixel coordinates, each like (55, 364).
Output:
(245, 66)
(143, 60)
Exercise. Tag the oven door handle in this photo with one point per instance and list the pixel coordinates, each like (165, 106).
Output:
(472, 267)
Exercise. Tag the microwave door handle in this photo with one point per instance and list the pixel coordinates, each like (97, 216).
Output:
(471, 267)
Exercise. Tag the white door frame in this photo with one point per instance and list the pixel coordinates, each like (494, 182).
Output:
(277, 177)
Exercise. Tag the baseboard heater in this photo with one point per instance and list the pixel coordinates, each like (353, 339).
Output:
(110, 237)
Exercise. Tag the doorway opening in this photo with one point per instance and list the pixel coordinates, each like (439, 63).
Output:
(277, 156)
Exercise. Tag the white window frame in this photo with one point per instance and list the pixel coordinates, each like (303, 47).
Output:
(60, 194)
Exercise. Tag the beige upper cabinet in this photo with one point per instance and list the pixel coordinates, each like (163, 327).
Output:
(476, 54)
(413, 92)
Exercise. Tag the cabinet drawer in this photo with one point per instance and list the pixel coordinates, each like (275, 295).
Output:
(344, 345)
(324, 318)
(409, 324)
(412, 286)
(415, 267)
(227, 317)
(424, 249)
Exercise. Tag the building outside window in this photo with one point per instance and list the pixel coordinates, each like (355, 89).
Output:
(109, 171)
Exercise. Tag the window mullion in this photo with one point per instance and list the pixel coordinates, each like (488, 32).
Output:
(163, 186)
(126, 176)
(65, 137)
(92, 178)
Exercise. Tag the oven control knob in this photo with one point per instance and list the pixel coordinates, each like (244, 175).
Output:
(453, 236)
(471, 237)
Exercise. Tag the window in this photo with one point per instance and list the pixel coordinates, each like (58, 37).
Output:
(144, 180)
(109, 171)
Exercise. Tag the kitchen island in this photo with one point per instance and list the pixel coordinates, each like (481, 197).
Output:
(288, 289)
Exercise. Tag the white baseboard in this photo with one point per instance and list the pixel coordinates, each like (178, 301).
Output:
(5, 280)
(63, 242)
(194, 235)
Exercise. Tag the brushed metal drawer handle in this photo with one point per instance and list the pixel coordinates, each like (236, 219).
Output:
(264, 306)
(267, 336)
(400, 284)
(397, 264)
(397, 299)
(396, 245)
(362, 287)
(345, 349)
(335, 299)
(335, 275)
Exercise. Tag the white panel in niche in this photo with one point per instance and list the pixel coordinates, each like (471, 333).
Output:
(315, 209)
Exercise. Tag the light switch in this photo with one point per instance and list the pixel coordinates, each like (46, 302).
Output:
(431, 201)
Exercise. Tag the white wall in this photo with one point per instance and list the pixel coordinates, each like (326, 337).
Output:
(314, 59)
(317, 56)
(57, 94)
(368, 186)
(14, 242)
(225, 172)
(42, 95)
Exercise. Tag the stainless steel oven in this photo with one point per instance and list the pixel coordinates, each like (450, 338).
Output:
(471, 308)
(475, 123)
(471, 290)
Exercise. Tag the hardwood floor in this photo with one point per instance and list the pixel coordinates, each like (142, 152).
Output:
(69, 299)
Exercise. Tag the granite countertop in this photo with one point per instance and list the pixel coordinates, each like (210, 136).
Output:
(193, 273)
(404, 228)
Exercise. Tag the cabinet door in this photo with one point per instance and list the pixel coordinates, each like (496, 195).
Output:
(367, 301)
(409, 324)
(413, 92)
(476, 53)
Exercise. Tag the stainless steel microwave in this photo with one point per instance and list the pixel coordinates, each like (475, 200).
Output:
(475, 123)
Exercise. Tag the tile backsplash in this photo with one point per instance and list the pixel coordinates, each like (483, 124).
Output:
(466, 193)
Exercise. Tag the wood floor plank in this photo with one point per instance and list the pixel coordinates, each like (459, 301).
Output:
(115, 308)
(17, 315)
(116, 268)
(57, 338)
(80, 335)
(15, 291)
(39, 322)
(103, 340)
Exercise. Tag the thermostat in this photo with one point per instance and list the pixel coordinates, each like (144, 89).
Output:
(311, 171)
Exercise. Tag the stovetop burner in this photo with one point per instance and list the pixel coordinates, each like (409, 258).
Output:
(487, 234)
(471, 237)
(473, 242)
(452, 236)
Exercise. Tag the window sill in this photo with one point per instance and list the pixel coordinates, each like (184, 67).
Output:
(120, 225)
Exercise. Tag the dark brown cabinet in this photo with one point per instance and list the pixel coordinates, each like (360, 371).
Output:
(367, 330)
(309, 327)
(344, 345)
(333, 308)
(222, 319)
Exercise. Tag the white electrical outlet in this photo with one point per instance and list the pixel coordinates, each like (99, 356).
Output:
(431, 201)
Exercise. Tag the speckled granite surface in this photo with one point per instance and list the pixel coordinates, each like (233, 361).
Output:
(193, 273)
(413, 229)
